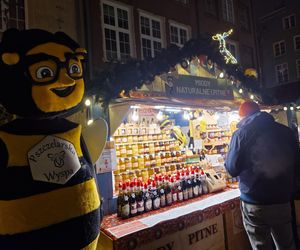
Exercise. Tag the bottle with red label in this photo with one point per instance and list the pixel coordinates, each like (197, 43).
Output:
(189, 185)
(155, 196)
(132, 200)
(174, 190)
(147, 198)
(168, 192)
(161, 187)
(197, 177)
(124, 202)
(184, 186)
(140, 198)
(179, 188)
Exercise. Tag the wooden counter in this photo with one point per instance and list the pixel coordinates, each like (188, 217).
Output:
(211, 221)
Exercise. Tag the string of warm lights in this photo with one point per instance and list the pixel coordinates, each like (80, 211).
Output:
(229, 58)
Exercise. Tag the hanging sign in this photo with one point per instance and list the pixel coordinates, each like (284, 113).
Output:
(191, 87)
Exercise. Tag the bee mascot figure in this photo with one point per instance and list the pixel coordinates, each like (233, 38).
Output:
(48, 193)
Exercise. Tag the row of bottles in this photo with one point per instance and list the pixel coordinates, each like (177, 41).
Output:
(129, 150)
(137, 197)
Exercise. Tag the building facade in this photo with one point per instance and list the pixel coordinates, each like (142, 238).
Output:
(217, 16)
(278, 34)
(122, 29)
(51, 15)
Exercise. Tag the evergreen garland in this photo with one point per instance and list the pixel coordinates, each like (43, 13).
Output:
(134, 73)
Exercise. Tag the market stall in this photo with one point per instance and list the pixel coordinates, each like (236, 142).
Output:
(162, 175)
(166, 154)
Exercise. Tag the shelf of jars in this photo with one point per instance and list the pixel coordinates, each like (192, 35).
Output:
(154, 171)
(216, 140)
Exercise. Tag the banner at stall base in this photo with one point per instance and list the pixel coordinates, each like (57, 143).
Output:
(235, 232)
(183, 86)
(206, 235)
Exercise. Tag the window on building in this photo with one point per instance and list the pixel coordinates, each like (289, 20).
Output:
(282, 73)
(12, 14)
(228, 10)
(211, 7)
(289, 22)
(298, 67)
(117, 33)
(151, 35)
(244, 18)
(178, 34)
(297, 42)
(279, 48)
(233, 48)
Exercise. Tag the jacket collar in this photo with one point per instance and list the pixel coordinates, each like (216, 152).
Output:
(260, 116)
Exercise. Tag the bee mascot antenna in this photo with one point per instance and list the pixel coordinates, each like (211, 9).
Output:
(48, 193)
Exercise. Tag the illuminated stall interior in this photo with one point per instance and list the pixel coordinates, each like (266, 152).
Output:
(159, 140)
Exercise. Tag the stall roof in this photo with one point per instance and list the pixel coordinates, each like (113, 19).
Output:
(226, 105)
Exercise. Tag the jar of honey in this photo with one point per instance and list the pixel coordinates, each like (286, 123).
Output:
(151, 148)
(125, 176)
(141, 162)
(128, 164)
(147, 161)
(123, 151)
(145, 175)
(135, 149)
(129, 150)
(121, 165)
(152, 161)
(146, 148)
(158, 160)
(118, 180)
(134, 163)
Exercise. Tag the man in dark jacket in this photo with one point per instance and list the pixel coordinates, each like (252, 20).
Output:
(265, 156)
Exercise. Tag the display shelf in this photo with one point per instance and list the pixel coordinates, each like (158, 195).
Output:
(155, 154)
(137, 134)
(216, 143)
(143, 142)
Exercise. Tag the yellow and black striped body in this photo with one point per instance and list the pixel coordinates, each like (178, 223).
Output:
(37, 215)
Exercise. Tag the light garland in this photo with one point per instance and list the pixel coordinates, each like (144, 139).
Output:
(229, 58)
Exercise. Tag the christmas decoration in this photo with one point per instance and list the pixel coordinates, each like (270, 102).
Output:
(121, 78)
(229, 58)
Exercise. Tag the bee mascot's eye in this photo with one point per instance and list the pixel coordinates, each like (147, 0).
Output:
(44, 72)
(74, 69)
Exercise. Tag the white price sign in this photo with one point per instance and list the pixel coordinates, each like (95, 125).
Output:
(107, 161)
